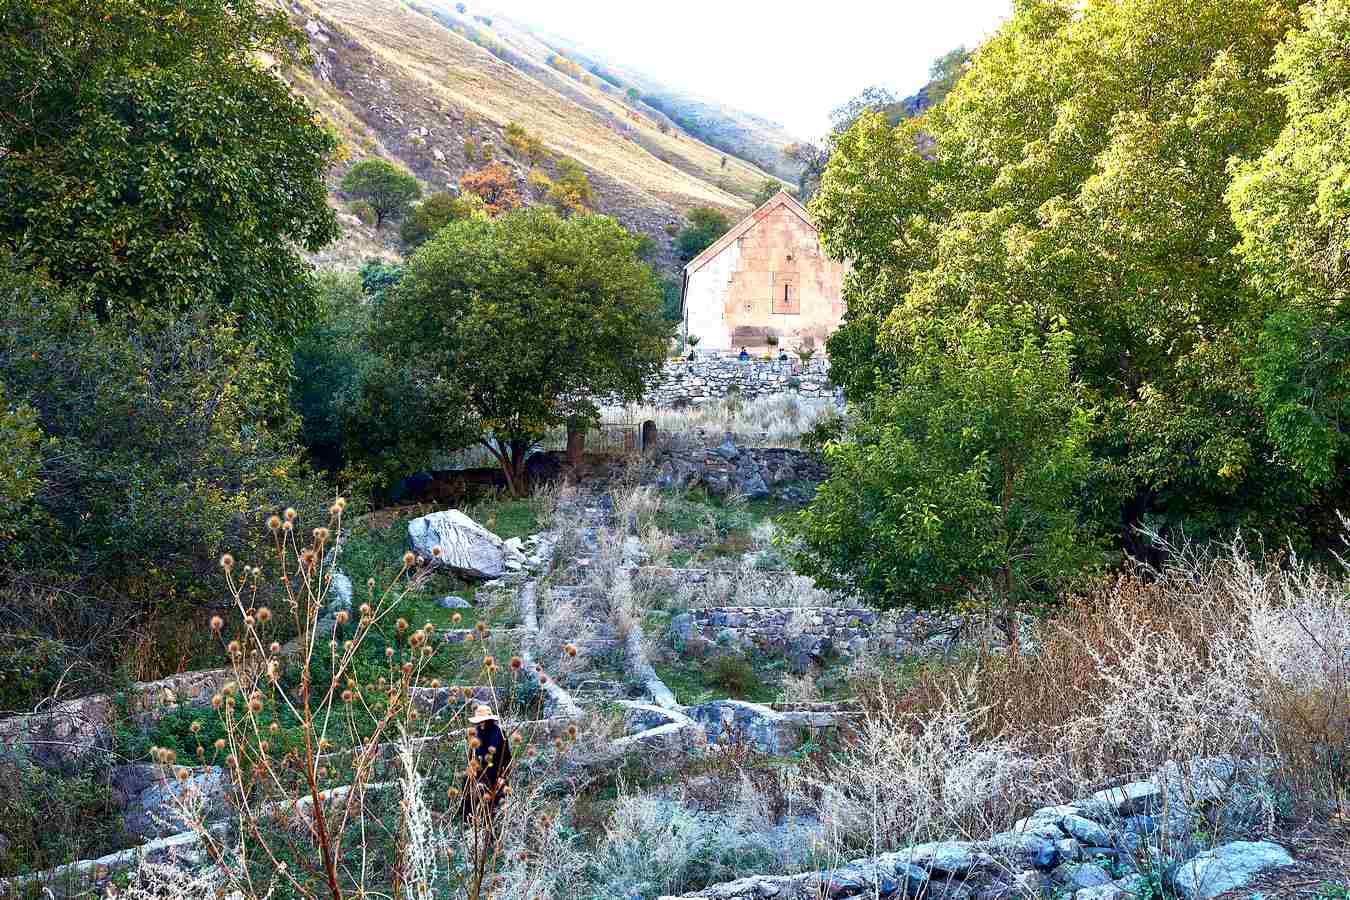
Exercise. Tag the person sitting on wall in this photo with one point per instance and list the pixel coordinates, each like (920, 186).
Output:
(745, 355)
(782, 356)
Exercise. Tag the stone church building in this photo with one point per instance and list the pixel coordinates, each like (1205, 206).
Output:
(766, 276)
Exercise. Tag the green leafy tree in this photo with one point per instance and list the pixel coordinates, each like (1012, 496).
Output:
(944, 73)
(672, 295)
(1080, 169)
(767, 191)
(366, 419)
(1292, 209)
(705, 226)
(522, 320)
(384, 186)
(158, 449)
(433, 214)
(151, 164)
(957, 485)
(810, 160)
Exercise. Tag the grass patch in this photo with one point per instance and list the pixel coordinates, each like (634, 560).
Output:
(754, 679)
(505, 517)
(725, 529)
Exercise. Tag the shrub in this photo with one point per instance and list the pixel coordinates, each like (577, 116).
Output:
(539, 183)
(146, 469)
(50, 819)
(733, 673)
(525, 145)
(494, 185)
(705, 226)
(433, 214)
(20, 474)
(388, 189)
(365, 211)
(366, 420)
(571, 190)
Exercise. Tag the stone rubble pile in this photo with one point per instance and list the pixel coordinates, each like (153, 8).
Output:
(752, 473)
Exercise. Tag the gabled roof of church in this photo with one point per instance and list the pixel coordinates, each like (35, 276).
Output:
(781, 199)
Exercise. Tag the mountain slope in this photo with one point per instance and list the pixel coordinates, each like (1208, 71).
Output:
(434, 91)
(731, 131)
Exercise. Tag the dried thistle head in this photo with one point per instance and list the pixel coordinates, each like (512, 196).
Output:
(227, 562)
(217, 623)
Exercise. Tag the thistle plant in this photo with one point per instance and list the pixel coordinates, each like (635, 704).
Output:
(323, 739)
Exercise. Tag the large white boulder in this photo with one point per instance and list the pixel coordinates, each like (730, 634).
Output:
(465, 547)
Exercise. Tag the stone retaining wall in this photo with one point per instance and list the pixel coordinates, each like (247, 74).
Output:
(61, 735)
(778, 628)
(711, 377)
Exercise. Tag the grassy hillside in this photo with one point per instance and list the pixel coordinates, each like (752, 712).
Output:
(731, 131)
(417, 83)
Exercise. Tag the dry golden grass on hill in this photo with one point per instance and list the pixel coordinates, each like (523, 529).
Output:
(418, 55)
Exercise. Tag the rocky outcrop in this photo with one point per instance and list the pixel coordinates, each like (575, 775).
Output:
(451, 540)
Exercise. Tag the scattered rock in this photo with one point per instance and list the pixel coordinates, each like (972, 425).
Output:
(728, 450)
(1227, 868)
(1085, 830)
(1131, 799)
(948, 857)
(1087, 875)
(339, 592)
(454, 601)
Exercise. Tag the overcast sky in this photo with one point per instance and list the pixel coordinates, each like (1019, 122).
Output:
(787, 61)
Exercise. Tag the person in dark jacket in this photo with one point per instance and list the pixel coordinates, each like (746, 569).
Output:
(489, 764)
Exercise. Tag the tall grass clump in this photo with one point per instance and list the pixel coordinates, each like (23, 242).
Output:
(779, 420)
(1221, 675)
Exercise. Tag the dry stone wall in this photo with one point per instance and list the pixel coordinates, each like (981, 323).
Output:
(813, 631)
(714, 376)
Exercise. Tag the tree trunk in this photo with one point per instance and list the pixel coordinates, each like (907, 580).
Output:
(517, 480)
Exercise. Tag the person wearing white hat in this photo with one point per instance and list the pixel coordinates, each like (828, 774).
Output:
(490, 763)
